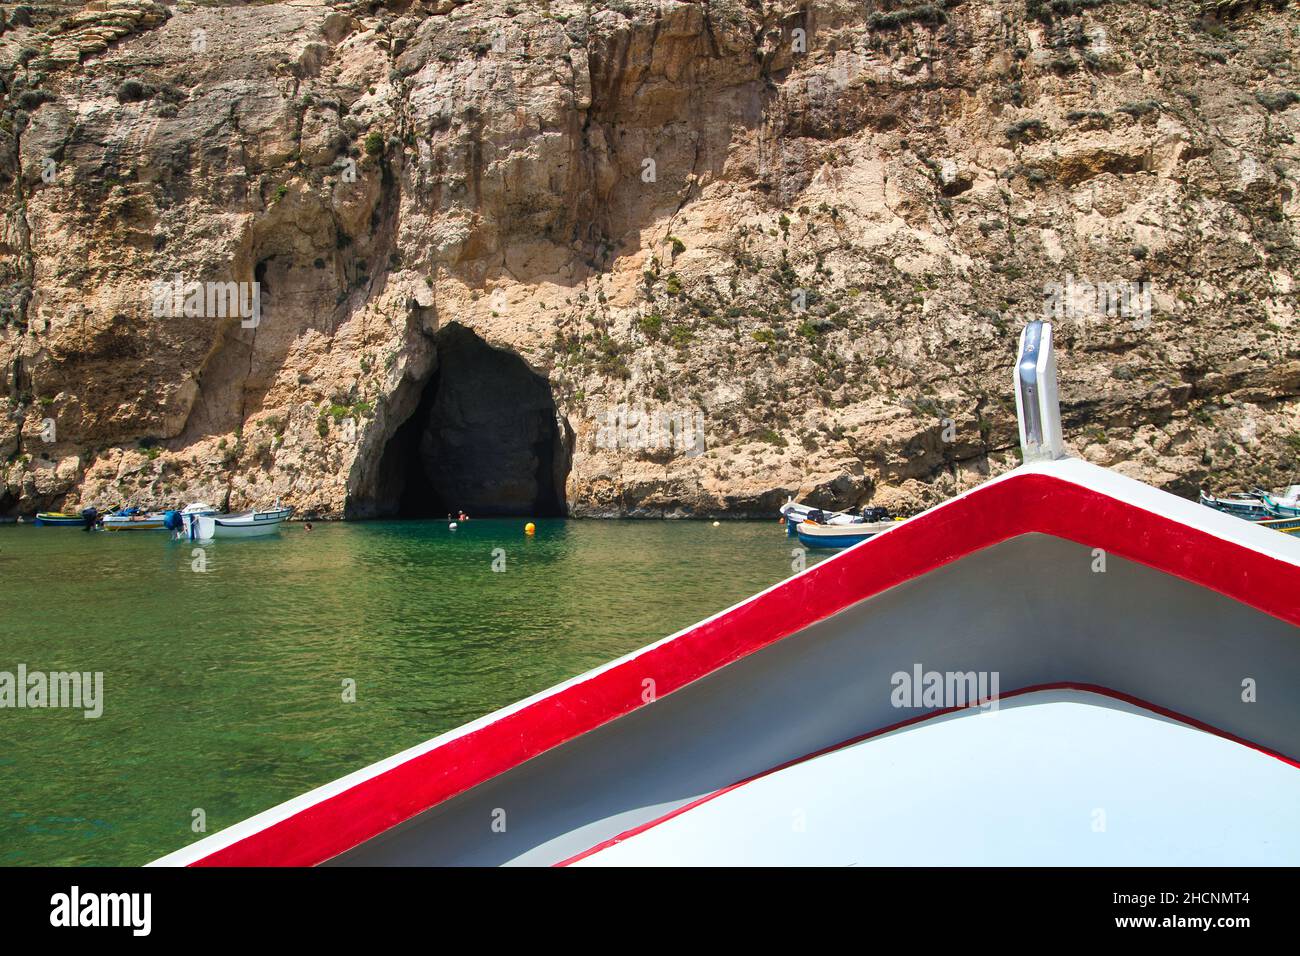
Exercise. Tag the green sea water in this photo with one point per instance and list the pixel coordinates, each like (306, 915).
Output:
(223, 689)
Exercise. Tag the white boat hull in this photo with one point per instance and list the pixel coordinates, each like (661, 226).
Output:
(151, 522)
(198, 526)
(251, 524)
(840, 536)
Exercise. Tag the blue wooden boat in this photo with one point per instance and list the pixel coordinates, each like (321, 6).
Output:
(86, 518)
(1259, 506)
(1250, 507)
(835, 537)
(1289, 525)
(59, 519)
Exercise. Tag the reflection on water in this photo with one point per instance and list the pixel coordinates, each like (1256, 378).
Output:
(224, 688)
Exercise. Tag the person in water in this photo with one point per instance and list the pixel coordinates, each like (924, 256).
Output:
(306, 526)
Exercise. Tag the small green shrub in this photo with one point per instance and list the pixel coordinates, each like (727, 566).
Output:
(927, 14)
(1277, 100)
(651, 325)
(1140, 108)
(1025, 129)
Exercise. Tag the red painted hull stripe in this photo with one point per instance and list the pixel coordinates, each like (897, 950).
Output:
(988, 515)
(928, 715)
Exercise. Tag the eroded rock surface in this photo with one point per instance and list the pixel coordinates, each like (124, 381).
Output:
(815, 229)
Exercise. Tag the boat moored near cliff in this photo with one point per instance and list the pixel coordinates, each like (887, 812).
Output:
(795, 513)
(1258, 505)
(814, 535)
(249, 524)
(62, 519)
(134, 519)
(1285, 505)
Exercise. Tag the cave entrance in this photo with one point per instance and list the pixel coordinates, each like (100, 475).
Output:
(484, 438)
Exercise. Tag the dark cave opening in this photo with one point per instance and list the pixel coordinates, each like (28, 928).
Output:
(484, 438)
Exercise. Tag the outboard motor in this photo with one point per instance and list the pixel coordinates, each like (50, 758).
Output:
(875, 514)
(817, 516)
(172, 520)
(91, 517)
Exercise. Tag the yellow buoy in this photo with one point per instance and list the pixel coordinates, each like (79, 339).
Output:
(530, 528)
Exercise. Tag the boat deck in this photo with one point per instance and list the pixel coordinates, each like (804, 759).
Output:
(1049, 776)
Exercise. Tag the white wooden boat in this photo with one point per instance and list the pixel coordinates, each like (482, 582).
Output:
(1060, 666)
(133, 520)
(203, 523)
(1240, 505)
(196, 521)
(248, 524)
(1290, 497)
(813, 535)
(796, 512)
(1257, 505)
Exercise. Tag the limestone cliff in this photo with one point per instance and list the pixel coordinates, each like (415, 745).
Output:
(746, 249)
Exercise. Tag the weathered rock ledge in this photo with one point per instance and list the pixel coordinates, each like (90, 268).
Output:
(750, 249)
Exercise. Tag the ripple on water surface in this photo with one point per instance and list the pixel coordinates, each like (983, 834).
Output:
(223, 688)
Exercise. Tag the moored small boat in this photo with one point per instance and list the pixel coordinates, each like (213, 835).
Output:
(813, 535)
(1290, 497)
(248, 524)
(133, 519)
(1240, 505)
(86, 518)
(1285, 505)
(796, 512)
(1288, 525)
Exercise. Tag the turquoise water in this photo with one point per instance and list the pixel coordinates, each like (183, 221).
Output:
(223, 688)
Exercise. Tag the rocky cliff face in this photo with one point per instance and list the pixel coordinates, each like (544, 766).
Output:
(751, 249)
